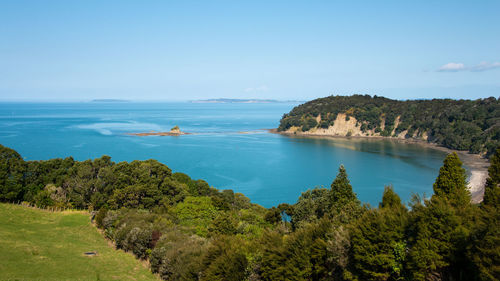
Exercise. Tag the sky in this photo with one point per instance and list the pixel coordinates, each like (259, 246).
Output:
(286, 50)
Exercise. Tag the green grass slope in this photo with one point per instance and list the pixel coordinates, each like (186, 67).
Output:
(41, 245)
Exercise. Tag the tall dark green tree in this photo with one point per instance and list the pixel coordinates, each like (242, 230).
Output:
(224, 261)
(301, 256)
(342, 189)
(312, 205)
(492, 188)
(451, 183)
(344, 203)
(273, 257)
(485, 240)
(439, 231)
(378, 245)
(390, 199)
(12, 168)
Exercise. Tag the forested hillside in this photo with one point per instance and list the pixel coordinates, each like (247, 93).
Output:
(191, 231)
(472, 125)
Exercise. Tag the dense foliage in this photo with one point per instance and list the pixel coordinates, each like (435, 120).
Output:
(472, 125)
(191, 231)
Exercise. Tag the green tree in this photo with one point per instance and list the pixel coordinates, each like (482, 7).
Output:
(301, 256)
(485, 239)
(311, 206)
(224, 224)
(138, 240)
(378, 245)
(437, 236)
(12, 168)
(451, 183)
(338, 248)
(225, 261)
(197, 212)
(492, 188)
(341, 189)
(440, 229)
(178, 256)
(390, 199)
(345, 206)
(273, 215)
(99, 217)
(273, 257)
(485, 244)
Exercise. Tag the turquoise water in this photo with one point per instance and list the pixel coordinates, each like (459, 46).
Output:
(268, 168)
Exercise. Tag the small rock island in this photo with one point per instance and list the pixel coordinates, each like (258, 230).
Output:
(175, 131)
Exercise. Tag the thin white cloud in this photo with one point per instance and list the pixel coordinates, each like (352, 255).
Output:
(455, 67)
(452, 67)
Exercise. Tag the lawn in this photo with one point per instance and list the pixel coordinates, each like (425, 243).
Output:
(42, 245)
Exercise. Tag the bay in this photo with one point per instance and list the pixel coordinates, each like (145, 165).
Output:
(229, 147)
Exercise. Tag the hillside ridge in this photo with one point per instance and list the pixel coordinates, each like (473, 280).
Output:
(467, 125)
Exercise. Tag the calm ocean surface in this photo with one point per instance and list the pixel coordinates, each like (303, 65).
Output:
(268, 168)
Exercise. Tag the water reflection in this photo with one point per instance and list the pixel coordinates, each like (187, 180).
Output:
(395, 149)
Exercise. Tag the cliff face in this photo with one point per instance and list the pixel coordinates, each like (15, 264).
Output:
(348, 126)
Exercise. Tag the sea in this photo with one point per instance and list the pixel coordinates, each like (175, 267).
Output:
(229, 147)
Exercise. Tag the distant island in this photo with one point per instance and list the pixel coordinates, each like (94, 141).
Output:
(467, 125)
(222, 100)
(109, 100)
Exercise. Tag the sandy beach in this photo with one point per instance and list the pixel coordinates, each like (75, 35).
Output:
(477, 181)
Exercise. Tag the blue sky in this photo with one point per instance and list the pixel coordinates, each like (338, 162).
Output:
(179, 50)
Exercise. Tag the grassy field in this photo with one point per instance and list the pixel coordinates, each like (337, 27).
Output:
(40, 245)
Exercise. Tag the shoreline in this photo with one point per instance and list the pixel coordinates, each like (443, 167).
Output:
(477, 165)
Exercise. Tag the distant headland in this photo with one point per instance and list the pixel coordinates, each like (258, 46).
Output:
(465, 125)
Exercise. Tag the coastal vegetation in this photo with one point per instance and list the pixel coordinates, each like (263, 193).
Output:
(188, 230)
(470, 125)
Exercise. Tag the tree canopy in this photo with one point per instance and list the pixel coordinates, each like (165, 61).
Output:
(188, 230)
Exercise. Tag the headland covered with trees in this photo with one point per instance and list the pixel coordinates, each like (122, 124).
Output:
(191, 231)
(469, 125)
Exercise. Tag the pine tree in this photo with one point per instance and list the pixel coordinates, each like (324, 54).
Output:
(341, 189)
(390, 199)
(492, 188)
(451, 183)
(378, 247)
(432, 231)
(345, 206)
(485, 240)
(440, 230)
